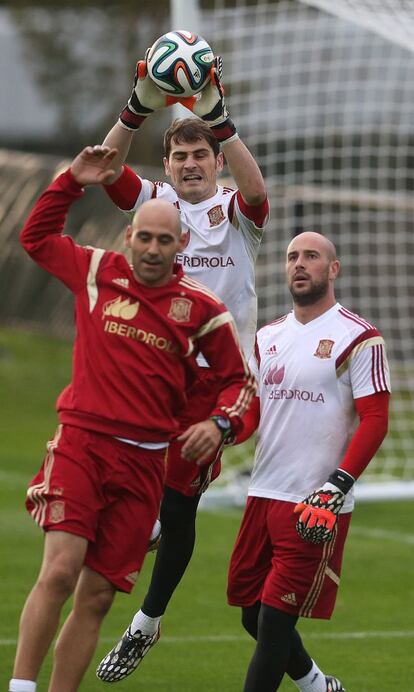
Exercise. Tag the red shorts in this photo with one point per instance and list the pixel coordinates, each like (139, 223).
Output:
(186, 476)
(271, 563)
(104, 490)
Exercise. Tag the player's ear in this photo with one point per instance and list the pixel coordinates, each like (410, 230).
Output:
(220, 162)
(128, 236)
(166, 166)
(335, 268)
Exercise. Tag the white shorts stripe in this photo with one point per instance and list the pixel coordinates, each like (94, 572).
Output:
(36, 493)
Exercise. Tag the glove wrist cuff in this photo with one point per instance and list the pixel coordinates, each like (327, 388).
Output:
(130, 120)
(225, 131)
(342, 480)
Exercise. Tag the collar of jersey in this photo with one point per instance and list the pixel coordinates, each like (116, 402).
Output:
(317, 321)
(206, 203)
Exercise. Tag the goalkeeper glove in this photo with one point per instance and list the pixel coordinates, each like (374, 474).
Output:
(144, 100)
(210, 106)
(319, 511)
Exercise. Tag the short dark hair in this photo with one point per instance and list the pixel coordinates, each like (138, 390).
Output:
(189, 130)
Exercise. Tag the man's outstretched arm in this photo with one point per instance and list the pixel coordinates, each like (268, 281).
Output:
(145, 98)
(211, 107)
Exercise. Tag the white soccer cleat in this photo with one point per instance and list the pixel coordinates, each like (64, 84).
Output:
(333, 684)
(126, 655)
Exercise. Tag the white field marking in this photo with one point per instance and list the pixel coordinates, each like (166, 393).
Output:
(219, 638)
(383, 534)
(14, 477)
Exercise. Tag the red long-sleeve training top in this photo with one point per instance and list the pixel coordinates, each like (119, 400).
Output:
(135, 345)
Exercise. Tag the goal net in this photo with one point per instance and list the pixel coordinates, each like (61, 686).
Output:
(323, 94)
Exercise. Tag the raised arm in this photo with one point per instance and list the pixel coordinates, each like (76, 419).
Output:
(210, 106)
(43, 235)
(120, 139)
(145, 99)
(245, 171)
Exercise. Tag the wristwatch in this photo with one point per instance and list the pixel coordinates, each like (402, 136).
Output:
(223, 425)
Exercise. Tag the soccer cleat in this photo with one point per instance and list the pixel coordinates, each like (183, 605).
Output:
(126, 656)
(333, 684)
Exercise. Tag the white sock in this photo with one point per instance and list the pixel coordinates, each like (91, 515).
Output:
(314, 681)
(144, 623)
(16, 685)
(156, 529)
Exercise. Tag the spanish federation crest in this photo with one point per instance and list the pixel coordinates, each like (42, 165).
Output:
(56, 511)
(180, 309)
(324, 349)
(216, 215)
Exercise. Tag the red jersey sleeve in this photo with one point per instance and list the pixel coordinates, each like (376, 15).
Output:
(219, 344)
(258, 213)
(367, 439)
(250, 421)
(42, 235)
(124, 192)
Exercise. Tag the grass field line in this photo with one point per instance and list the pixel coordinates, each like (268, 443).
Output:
(14, 477)
(383, 534)
(219, 638)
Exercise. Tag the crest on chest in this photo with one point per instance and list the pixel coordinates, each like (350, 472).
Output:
(324, 349)
(215, 215)
(180, 309)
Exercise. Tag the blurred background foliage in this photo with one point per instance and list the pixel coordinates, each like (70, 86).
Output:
(80, 58)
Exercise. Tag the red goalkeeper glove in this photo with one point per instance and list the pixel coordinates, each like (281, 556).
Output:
(319, 511)
(210, 106)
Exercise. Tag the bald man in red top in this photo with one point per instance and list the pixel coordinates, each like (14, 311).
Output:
(139, 329)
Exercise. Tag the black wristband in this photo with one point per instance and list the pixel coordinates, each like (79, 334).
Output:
(343, 480)
(224, 131)
(131, 120)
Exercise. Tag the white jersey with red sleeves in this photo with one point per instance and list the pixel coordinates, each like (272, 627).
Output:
(221, 249)
(309, 375)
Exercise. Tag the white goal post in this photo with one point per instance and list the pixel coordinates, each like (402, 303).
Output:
(323, 94)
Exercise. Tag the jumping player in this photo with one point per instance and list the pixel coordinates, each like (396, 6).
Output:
(222, 230)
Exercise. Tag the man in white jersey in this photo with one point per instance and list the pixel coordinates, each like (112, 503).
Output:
(223, 229)
(322, 413)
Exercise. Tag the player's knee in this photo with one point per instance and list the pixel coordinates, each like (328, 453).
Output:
(177, 510)
(96, 603)
(274, 624)
(249, 617)
(59, 579)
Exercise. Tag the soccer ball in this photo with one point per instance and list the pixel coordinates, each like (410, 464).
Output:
(179, 63)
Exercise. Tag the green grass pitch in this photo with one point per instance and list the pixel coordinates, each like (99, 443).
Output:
(368, 644)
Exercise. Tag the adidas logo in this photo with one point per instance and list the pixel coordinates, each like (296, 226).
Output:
(289, 598)
(271, 351)
(121, 282)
